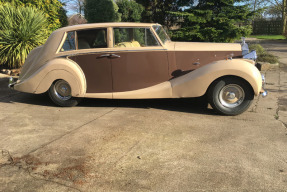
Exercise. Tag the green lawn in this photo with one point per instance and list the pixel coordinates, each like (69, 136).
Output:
(270, 37)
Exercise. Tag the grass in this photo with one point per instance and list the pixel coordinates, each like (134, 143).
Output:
(268, 37)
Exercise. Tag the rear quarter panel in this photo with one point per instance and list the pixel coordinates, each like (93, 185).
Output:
(59, 68)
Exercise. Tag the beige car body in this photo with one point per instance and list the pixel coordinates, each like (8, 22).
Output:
(47, 64)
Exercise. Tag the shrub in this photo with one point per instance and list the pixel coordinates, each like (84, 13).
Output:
(263, 56)
(21, 30)
(258, 48)
(53, 10)
(268, 57)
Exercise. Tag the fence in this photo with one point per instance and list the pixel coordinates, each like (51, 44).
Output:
(267, 27)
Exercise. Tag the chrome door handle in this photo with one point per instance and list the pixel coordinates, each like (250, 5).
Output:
(115, 56)
(196, 63)
(105, 55)
(109, 56)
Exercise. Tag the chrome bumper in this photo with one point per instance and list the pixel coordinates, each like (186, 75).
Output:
(263, 92)
(11, 83)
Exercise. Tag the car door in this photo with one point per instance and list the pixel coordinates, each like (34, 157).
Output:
(92, 49)
(138, 60)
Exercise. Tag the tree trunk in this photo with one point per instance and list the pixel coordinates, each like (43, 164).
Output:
(254, 9)
(284, 16)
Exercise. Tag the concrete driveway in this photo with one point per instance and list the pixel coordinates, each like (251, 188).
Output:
(149, 145)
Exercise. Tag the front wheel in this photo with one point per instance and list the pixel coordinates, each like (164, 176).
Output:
(230, 96)
(60, 93)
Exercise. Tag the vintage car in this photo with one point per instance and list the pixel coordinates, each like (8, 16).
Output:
(138, 61)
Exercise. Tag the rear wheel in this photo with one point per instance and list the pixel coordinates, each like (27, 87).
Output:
(60, 93)
(230, 96)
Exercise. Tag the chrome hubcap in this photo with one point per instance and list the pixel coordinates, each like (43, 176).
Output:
(62, 90)
(231, 96)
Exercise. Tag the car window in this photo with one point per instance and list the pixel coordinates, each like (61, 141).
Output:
(92, 38)
(161, 33)
(69, 43)
(134, 37)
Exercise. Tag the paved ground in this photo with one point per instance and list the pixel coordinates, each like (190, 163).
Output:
(150, 145)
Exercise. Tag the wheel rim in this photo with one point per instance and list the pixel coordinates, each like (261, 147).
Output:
(231, 96)
(62, 90)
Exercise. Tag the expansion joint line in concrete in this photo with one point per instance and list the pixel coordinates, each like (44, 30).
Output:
(75, 129)
(48, 180)
(11, 161)
(278, 104)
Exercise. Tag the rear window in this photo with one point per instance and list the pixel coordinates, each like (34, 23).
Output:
(86, 39)
(69, 43)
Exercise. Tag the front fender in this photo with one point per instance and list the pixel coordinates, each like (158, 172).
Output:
(196, 83)
(59, 68)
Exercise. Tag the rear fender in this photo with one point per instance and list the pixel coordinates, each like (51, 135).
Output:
(53, 70)
(66, 70)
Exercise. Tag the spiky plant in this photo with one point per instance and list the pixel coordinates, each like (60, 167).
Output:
(21, 30)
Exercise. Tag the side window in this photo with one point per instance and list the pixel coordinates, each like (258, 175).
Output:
(134, 37)
(69, 43)
(92, 38)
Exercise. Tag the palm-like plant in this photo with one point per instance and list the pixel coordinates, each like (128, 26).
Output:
(21, 30)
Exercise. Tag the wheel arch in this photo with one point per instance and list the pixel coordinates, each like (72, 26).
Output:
(228, 76)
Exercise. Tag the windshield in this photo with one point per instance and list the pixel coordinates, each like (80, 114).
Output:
(161, 33)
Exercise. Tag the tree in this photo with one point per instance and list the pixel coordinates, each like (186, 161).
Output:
(160, 11)
(255, 5)
(21, 30)
(277, 9)
(53, 10)
(130, 10)
(74, 6)
(99, 11)
(215, 21)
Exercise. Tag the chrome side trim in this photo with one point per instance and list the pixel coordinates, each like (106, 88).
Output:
(67, 56)
(136, 50)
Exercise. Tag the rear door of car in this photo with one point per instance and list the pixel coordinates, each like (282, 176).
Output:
(92, 49)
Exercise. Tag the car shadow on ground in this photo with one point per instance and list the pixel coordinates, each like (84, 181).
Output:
(187, 105)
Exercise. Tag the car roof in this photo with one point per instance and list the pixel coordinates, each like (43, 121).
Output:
(96, 25)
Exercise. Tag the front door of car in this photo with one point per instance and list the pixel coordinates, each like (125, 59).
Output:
(138, 60)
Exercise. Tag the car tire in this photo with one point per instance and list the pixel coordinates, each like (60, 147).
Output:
(230, 96)
(60, 93)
